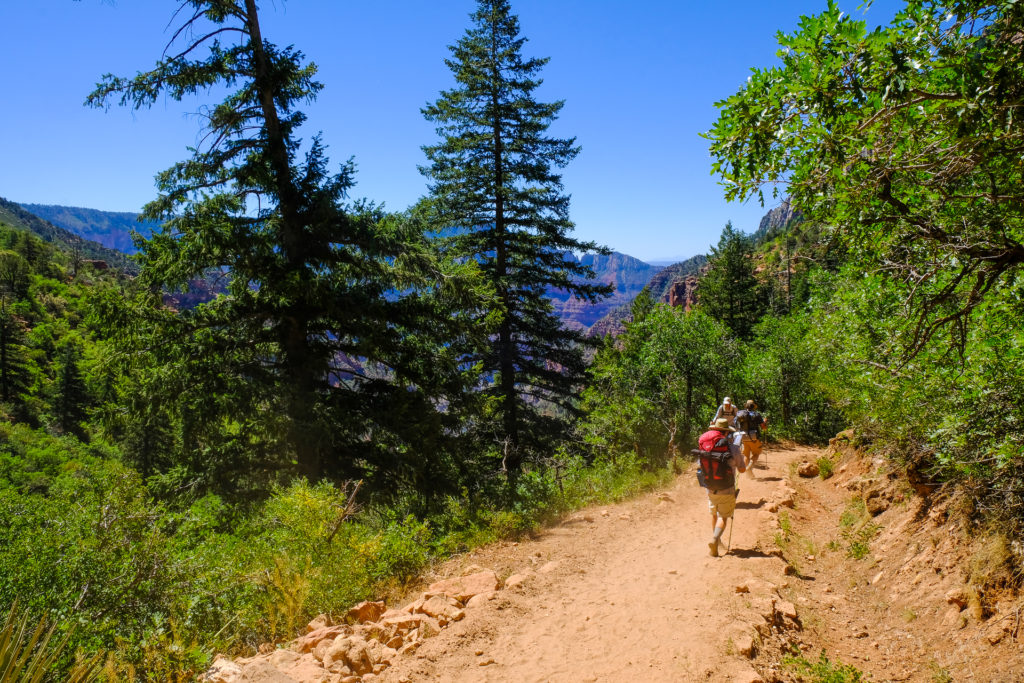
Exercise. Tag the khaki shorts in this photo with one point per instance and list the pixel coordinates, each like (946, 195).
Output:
(751, 449)
(722, 503)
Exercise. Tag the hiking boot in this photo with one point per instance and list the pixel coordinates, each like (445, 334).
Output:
(713, 547)
(750, 471)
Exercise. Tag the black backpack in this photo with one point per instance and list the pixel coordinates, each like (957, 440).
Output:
(715, 472)
(750, 421)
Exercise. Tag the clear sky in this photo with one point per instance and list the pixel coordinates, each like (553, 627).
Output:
(640, 80)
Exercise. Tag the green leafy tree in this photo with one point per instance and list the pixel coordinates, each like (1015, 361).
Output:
(728, 290)
(905, 138)
(498, 200)
(654, 388)
(311, 362)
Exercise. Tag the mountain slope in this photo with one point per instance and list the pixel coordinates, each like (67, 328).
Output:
(16, 216)
(627, 274)
(110, 228)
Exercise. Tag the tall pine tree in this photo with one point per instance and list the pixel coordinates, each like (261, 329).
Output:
(499, 201)
(728, 290)
(310, 361)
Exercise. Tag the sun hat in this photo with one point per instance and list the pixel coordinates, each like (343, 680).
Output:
(727, 401)
(722, 425)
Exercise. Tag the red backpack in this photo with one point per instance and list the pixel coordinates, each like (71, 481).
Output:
(715, 461)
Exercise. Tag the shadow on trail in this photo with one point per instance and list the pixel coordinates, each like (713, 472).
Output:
(769, 478)
(746, 553)
(750, 506)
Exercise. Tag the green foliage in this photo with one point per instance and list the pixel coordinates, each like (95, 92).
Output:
(497, 200)
(821, 671)
(869, 131)
(781, 368)
(654, 388)
(28, 655)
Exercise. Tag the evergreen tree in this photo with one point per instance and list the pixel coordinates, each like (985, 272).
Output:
(310, 355)
(14, 374)
(499, 201)
(728, 290)
(70, 394)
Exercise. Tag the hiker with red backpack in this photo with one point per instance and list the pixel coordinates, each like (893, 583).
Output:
(720, 456)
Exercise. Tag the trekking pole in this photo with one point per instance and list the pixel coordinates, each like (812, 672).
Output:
(731, 526)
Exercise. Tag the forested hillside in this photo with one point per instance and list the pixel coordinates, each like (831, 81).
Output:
(369, 391)
(112, 229)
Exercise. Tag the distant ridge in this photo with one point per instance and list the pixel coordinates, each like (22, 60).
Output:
(110, 228)
(18, 217)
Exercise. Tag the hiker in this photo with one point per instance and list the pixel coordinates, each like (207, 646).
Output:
(717, 474)
(726, 410)
(751, 423)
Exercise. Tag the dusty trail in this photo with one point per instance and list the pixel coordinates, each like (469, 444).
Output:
(623, 592)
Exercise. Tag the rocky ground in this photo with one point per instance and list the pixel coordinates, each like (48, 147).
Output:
(857, 566)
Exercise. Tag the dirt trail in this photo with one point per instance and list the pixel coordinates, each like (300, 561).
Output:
(623, 592)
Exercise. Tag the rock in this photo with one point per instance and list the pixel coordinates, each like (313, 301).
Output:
(877, 577)
(465, 587)
(953, 618)
(351, 652)
(786, 609)
(995, 634)
(515, 580)
(743, 588)
(875, 502)
(744, 645)
(958, 597)
(321, 621)
(442, 607)
(549, 567)
(625, 517)
(366, 612)
(485, 662)
(306, 669)
(309, 641)
(747, 676)
(605, 513)
(478, 600)
(281, 658)
(223, 670)
(808, 469)
(665, 497)
(260, 670)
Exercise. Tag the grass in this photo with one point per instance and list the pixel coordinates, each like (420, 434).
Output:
(821, 671)
(825, 467)
(940, 675)
(857, 529)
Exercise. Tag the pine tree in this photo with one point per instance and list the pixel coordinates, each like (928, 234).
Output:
(499, 201)
(310, 354)
(14, 374)
(70, 394)
(728, 291)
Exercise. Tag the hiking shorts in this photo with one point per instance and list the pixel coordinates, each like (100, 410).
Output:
(722, 503)
(751, 449)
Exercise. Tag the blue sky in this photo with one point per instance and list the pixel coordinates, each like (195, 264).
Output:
(639, 78)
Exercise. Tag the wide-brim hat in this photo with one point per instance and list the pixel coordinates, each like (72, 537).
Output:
(727, 401)
(722, 424)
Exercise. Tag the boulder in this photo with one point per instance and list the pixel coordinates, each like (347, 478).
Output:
(349, 653)
(465, 587)
(875, 502)
(808, 469)
(442, 607)
(365, 612)
(321, 621)
(308, 642)
(515, 580)
(478, 600)
(223, 670)
(957, 597)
